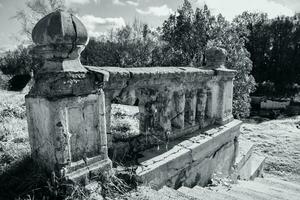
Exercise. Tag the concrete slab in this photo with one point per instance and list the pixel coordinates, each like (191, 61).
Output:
(244, 152)
(252, 168)
(189, 155)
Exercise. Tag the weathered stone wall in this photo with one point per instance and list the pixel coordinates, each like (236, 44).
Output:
(195, 160)
(173, 101)
(69, 105)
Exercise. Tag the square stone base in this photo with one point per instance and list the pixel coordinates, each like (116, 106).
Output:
(87, 173)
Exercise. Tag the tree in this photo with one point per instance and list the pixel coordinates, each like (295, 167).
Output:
(274, 48)
(189, 33)
(130, 46)
(186, 34)
(18, 61)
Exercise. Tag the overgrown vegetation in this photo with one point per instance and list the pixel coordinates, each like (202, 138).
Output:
(270, 46)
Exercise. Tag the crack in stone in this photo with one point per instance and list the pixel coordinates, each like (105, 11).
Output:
(74, 42)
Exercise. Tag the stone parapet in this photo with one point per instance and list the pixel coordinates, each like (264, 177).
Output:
(69, 105)
(176, 98)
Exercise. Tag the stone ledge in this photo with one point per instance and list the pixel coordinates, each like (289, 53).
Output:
(117, 78)
(168, 165)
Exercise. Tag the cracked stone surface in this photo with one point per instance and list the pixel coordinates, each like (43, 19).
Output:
(201, 155)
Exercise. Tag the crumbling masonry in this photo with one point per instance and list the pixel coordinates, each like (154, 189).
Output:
(69, 110)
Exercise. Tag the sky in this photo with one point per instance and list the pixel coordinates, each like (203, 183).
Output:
(101, 15)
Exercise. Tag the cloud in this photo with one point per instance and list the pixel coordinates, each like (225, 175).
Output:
(132, 3)
(68, 2)
(123, 3)
(231, 8)
(118, 2)
(292, 4)
(159, 11)
(91, 23)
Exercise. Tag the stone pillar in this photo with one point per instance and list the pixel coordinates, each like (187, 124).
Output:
(191, 107)
(179, 105)
(165, 109)
(65, 111)
(201, 110)
(222, 86)
(108, 98)
(225, 97)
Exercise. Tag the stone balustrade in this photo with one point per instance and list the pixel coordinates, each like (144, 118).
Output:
(69, 106)
(172, 101)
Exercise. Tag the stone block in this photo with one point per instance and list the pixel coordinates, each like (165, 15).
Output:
(69, 133)
(198, 156)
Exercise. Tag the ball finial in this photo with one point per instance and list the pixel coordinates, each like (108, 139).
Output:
(215, 57)
(60, 37)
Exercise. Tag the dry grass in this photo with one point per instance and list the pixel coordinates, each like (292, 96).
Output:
(125, 122)
(14, 144)
(279, 141)
(20, 178)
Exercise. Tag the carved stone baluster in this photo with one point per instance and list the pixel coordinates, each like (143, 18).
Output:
(147, 109)
(165, 109)
(190, 107)
(178, 111)
(202, 109)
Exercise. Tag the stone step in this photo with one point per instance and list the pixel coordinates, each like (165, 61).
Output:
(259, 189)
(275, 182)
(252, 168)
(175, 194)
(245, 150)
(254, 190)
(149, 194)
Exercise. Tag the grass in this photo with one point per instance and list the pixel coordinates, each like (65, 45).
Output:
(21, 178)
(14, 143)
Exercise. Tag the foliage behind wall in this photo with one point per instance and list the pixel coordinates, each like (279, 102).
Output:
(181, 41)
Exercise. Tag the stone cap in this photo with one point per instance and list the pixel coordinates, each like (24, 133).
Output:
(59, 27)
(215, 57)
(60, 37)
(118, 78)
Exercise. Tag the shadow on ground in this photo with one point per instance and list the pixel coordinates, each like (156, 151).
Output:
(22, 180)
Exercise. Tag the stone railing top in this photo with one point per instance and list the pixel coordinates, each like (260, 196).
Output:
(116, 77)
